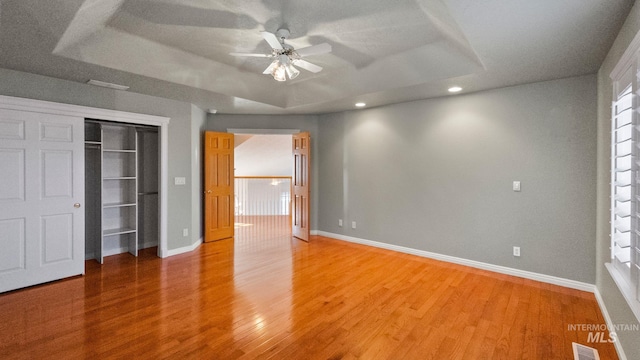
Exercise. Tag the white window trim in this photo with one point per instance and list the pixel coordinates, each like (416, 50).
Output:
(625, 288)
(629, 60)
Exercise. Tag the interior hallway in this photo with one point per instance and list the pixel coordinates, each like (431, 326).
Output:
(272, 296)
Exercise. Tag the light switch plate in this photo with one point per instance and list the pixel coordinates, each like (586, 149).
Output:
(516, 186)
(180, 181)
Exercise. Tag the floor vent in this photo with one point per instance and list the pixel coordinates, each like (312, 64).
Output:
(581, 352)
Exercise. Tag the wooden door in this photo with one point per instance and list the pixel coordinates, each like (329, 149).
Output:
(219, 202)
(301, 185)
(41, 198)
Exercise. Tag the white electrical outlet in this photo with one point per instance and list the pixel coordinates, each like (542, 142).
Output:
(353, 224)
(516, 251)
(340, 222)
(185, 232)
(179, 181)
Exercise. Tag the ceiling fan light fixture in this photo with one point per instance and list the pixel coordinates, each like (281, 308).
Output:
(292, 72)
(279, 73)
(272, 67)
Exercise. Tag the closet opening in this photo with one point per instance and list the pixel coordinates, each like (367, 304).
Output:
(122, 178)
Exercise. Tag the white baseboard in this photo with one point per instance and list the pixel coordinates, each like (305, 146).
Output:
(184, 249)
(472, 263)
(313, 232)
(607, 319)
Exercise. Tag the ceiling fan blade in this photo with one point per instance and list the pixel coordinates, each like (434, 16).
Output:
(307, 65)
(314, 50)
(251, 55)
(272, 39)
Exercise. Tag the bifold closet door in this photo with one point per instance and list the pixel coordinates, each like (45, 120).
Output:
(41, 198)
(219, 204)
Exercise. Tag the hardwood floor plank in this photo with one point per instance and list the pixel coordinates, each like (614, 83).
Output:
(476, 341)
(266, 295)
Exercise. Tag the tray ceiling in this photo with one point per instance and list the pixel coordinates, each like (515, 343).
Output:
(383, 51)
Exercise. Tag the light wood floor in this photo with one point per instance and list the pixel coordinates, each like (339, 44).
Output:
(271, 296)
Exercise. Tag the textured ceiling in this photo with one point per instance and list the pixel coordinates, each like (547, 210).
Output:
(383, 51)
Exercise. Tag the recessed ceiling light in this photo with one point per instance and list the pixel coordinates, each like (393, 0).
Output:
(455, 89)
(361, 104)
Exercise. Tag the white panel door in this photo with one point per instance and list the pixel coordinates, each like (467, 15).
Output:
(41, 198)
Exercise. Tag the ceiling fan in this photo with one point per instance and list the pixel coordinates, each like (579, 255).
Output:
(285, 56)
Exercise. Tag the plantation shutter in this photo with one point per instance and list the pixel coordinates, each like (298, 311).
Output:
(625, 176)
(624, 216)
(634, 243)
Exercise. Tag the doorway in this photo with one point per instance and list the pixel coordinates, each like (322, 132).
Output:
(219, 169)
(263, 187)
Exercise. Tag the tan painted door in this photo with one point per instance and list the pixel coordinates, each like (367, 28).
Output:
(301, 186)
(218, 186)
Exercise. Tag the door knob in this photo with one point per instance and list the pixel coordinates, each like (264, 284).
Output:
(76, 205)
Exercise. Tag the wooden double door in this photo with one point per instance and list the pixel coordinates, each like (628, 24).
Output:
(219, 208)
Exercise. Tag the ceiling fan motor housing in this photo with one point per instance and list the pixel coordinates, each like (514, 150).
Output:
(284, 59)
(283, 34)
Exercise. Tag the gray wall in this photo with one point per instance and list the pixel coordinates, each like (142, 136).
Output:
(436, 175)
(198, 123)
(616, 305)
(221, 122)
(19, 84)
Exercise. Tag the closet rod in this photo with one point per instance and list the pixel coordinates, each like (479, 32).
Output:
(147, 193)
(138, 127)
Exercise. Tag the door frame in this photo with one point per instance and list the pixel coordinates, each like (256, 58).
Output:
(48, 107)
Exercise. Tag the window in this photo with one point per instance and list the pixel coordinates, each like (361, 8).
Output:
(625, 179)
